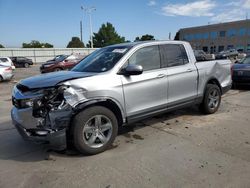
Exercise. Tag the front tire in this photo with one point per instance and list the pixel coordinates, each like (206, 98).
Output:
(57, 69)
(94, 130)
(212, 99)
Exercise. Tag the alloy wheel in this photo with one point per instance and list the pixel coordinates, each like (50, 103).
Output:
(97, 131)
(213, 99)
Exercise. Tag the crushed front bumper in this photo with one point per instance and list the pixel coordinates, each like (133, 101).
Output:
(56, 139)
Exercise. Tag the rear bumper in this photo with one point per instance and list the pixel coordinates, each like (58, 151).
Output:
(226, 89)
(8, 76)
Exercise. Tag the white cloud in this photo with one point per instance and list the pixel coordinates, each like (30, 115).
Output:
(151, 3)
(234, 10)
(246, 4)
(217, 11)
(233, 3)
(226, 16)
(193, 9)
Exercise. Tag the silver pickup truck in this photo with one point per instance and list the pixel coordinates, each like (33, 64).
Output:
(115, 86)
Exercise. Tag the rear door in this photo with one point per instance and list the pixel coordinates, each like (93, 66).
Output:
(20, 60)
(145, 93)
(182, 74)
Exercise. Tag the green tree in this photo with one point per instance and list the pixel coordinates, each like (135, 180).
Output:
(48, 45)
(177, 35)
(1, 46)
(145, 38)
(106, 35)
(37, 44)
(75, 43)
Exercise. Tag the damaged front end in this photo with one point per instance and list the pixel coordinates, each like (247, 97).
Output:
(44, 114)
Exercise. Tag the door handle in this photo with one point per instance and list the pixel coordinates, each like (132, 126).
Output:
(189, 70)
(161, 76)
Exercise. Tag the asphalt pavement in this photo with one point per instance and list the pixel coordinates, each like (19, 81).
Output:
(180, 149)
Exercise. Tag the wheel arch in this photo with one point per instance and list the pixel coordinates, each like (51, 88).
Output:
(213, 81)
(107, 103)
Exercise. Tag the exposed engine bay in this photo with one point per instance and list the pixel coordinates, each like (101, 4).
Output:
(51, 108)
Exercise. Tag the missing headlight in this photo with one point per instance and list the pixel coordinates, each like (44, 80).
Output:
(22, 103)
(51, 100)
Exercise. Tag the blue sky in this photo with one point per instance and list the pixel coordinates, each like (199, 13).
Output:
(56, 21)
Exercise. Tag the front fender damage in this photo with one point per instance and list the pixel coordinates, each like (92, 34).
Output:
(49, 116)
(53, 114)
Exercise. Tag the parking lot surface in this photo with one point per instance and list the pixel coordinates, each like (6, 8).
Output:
(179, 149)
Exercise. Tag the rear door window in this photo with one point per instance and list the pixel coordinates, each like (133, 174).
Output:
(20, 59)
(4, 60)
(173, 55)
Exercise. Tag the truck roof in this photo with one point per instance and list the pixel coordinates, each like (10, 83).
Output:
(132, 44)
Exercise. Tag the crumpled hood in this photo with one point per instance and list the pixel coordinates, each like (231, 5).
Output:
(241, 67)
(52, 79)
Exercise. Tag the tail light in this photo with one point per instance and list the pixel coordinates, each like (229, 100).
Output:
(8, 69)
(231, 69)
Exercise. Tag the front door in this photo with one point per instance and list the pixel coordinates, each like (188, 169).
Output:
(145, 93)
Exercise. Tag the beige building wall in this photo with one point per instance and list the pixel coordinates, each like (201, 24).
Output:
(237, 36)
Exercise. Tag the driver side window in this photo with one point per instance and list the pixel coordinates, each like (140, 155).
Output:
(147, 57)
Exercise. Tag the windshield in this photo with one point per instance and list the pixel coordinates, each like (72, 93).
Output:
(60, 58)
(102, 60)
(245, 60)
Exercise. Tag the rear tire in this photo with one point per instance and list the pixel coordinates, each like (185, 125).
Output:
(26, 65)
(211, 100)
(1, 78)
(94, 130)
(234, 86)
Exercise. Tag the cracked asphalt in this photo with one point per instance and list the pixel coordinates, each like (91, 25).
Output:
(179, 149)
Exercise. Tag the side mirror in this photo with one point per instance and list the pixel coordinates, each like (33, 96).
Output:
(131, 70)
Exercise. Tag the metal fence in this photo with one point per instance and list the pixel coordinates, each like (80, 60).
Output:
(39, 55)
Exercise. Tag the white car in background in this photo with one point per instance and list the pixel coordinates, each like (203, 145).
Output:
(6, 61)
(6, 73)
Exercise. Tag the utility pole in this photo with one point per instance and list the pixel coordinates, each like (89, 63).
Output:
(81, 29)
(89, 10)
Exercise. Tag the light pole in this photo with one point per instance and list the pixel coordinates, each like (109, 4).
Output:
(81, 22)
(89, 10)
(81, 30)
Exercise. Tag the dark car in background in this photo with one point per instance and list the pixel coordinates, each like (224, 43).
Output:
(61, 62)
(241, 72)
(21, 61)
(231, 53)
